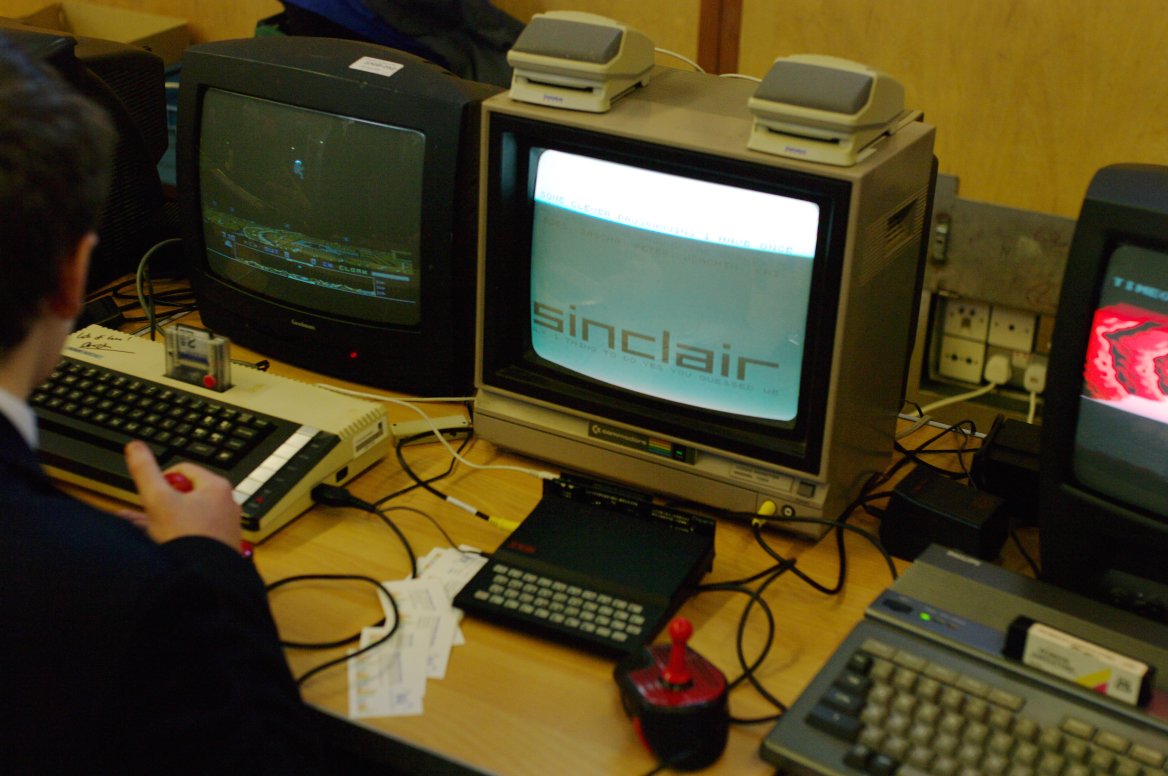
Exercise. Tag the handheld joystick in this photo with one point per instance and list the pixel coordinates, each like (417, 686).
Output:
(179, 482)
(676, 700)
(183, 484)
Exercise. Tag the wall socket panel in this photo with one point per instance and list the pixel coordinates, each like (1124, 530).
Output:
(964, 318)
(961, 359)
(1012, 329)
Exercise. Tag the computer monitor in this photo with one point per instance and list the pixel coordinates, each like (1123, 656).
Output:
(1104, 464)
(662, 307)
(128, 82)
(328, 192)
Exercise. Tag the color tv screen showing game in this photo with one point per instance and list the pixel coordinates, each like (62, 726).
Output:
(1121, 442)
(293, 209)
(329, 206)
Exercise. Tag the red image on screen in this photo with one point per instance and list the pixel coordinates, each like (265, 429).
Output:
(1127, 355)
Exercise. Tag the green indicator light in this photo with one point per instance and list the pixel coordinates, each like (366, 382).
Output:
(926, 616)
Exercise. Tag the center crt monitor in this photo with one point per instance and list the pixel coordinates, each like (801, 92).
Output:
(662, 307)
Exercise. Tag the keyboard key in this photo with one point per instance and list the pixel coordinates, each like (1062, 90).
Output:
(834, 722)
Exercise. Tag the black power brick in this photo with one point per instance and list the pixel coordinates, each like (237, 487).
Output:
(929, 508)
(1006, 465)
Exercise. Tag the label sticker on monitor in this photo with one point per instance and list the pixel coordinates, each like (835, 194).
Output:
(377, 66)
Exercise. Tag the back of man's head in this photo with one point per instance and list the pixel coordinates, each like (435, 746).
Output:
(56, 151)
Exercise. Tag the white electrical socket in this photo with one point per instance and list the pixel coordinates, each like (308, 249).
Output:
(964, 318)
(1012, 329)
(961, 359)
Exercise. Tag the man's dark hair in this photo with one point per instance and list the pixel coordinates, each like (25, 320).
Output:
(56, 152)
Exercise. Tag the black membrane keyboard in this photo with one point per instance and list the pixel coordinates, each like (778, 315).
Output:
(86, 415)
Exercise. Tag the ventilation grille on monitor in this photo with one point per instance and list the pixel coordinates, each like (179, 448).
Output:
(890, 235)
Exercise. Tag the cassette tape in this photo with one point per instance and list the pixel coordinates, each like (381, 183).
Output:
(198, 357)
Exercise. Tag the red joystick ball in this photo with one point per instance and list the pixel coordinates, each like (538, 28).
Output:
(179, 482)
(183, 484)
(676, 700)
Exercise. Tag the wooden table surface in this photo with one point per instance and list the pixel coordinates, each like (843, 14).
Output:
(516, 704)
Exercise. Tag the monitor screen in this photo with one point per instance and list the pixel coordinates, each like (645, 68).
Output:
(736, 262)
(662, 307)
(329, 207)
(293, 210)
(1121, 440)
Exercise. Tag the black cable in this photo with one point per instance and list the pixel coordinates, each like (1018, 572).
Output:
(468, 432)
(749, 668)
(502, 523)
(925, 448)
(424, 484)
(445, 535)
(338, 642)
(867, 492)
(769, 576)
(336, 496)
(1034, 569)
(787, 564)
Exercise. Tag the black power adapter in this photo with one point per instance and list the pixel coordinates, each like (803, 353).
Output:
(1007, 465)
(927, 507)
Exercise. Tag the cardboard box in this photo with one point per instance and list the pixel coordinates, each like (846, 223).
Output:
(166, 36)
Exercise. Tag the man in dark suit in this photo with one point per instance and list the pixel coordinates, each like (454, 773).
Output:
(128, 645)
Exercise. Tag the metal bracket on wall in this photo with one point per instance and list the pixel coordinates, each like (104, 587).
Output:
(996, 254)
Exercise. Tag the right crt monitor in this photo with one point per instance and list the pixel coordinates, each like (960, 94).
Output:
(663, 307)
(1104, 506)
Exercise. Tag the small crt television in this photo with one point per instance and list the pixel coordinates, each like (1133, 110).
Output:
(1104, 485)
(328, 192)
(662, 307)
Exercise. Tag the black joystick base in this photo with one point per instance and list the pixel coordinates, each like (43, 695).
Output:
(676, 700)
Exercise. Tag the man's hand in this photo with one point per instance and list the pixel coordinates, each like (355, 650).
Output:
(207, 509)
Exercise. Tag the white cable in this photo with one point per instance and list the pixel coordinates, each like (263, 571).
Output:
(1034, 380)
(682, 57)
(928, 408)
(917, 425)
(741, 76)
(437, 432)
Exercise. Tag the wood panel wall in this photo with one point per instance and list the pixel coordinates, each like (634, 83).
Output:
(207, 19)
(671, 24)
(1029, 97)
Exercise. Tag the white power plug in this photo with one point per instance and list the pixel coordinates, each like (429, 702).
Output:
(998, 370)
(1034, 378)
